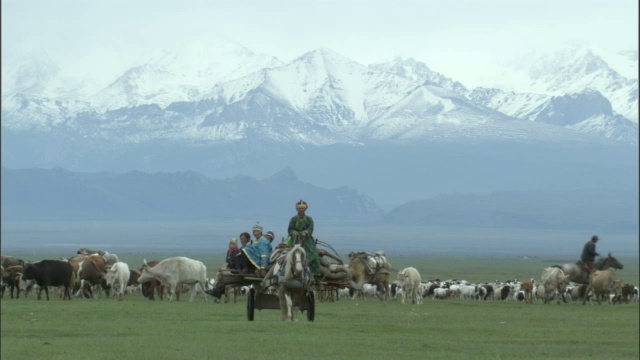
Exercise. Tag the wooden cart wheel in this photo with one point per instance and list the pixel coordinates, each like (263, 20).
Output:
(251, 304)
(311, 311)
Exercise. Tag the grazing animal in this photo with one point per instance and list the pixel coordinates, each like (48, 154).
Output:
(133, 283)
(502, 292)
(87, 251)
(8, 261)
(231, 290)
(395, 289)
(442, 293)
(118, 278)
(172, 271)
(379, 275)
(488, 291)
(151, 286)
(578, 292)
(49, 273)
(468, 291)
(601, 282)
(409, 279)
(627, 292)
(554, 279)
(294, 279)
(89, 272)
(11, 279)
(578, 275)
(527, 288)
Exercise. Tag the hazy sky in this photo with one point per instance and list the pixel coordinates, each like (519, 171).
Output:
(458, 38)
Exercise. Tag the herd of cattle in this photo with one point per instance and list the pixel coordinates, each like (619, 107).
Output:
(90, 272)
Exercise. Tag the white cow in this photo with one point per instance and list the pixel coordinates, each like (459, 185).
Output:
(118, 278)
(409, 279)
(554, 280)
(173, 271)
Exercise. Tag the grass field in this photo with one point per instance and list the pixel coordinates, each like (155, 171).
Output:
(137, 328)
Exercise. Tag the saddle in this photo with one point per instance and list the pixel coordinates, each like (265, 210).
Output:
(373, 263)
(586, 268)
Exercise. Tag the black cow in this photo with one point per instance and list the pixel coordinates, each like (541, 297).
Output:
(50, 273)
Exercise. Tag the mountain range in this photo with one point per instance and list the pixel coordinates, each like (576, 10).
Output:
(57, 194)
(222, 110)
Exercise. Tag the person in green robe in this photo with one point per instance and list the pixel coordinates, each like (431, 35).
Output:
(301, 231)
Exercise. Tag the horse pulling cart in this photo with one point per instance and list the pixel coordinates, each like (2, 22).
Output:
(261, 298)
(288, 283)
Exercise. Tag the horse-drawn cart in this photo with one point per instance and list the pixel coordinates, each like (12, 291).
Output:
(287, 284)
(261, 298)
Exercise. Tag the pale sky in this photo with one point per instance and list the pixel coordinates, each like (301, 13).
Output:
(459, 38)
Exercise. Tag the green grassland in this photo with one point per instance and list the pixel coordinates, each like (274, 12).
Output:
(137, 328)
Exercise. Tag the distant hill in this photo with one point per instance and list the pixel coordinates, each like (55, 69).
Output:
(58, 194)
(597, 210)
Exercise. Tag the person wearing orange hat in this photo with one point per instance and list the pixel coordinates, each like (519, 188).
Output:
(301, 231)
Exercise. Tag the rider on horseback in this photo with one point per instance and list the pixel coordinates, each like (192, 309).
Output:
(589, 254)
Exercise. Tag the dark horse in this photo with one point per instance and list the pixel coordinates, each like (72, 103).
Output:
(578, 275)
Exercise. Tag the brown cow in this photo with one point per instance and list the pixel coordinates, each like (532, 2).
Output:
(89, 271)
(11, 279)
(627, 293)
(8, 261)
(527, 287)
(134, 274)
(149, 287)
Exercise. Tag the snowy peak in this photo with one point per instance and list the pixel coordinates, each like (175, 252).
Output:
(576, 68)
(573, 108)
(32, 74)
(320, 81)
(419, 73)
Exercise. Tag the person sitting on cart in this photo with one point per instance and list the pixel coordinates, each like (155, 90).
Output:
(232, 253)
(242, 262)
(270, 235)
(259, 253)
(301, 231)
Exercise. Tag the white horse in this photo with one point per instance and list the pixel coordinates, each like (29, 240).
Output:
(293, 281)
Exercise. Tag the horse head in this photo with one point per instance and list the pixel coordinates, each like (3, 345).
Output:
(610, 261)
(295, 263)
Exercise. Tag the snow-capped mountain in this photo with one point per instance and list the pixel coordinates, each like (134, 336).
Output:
(180, 74)
(236, 104)
(587, 111)
(576, 69)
